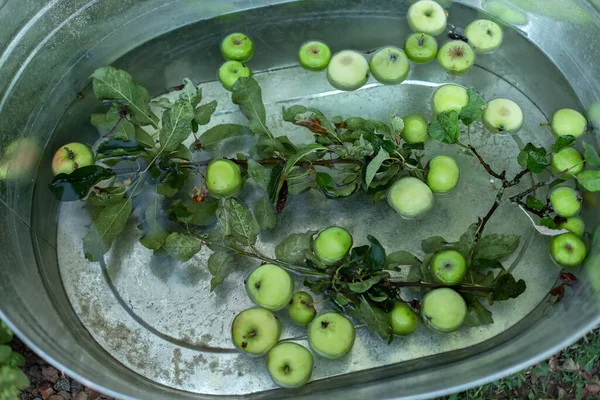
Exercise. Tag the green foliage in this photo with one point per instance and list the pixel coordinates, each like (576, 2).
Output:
(248, 95)
(474, 108)
(76, 185)
(562, 142)
(294, 248)
(213, 136)
(590, 180)
(176, 124)
(590, 155)
(533, 158)
(107, 224)
(12, 379)
(220, 265)
(445, 128)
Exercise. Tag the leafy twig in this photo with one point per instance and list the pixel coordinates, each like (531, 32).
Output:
(471, 288)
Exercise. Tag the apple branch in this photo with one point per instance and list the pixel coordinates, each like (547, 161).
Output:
(470, 288)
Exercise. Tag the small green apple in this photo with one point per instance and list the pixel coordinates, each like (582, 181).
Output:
(389, 65)
(484, 35)
(331, 335)
(456, 57)
(289, 364)
(505, 13)
(404, 319)
(231, 71)
(567, 158)
(314, 55)
(449, 98)
(348, 70)
(237, 47)
(568, 122)
(448, 267)
(70, 157)
(567, 250)
(574, 225)
(301, 309)
(410, 197)
(565, 201)
(421, 48)
(332, 244)
(427, 16)
(270, 287)
(443, 174)
(593, 113)
(416, 129)
(223, 178)
(255, 331)
(443, 310)
(502, 116)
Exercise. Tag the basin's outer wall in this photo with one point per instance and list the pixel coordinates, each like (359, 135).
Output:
(48, 50)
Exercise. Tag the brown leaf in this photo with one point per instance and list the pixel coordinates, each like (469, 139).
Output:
(570, 365)
(553, 363)
(314, 126)
(595, 388)
(561, 392)
(586, 375)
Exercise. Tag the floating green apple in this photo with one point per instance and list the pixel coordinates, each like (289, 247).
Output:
(301, 309)
(223, 178)
(505, 13)
(427, 16)
(421, 48)
(255, 331)
(443, 310)
(448, 267)
(567, 158)
(484, 35)
(565, 201)
(332, 244)
(237, 47)
(389, 65)
(231, 71)
(416, 129)
(593, 113)
(449, 98)
(568, 122)
(70, 157)
(348, 70)
(404, 319)
(503, 116)
(443, 174)
(575, 225)
(314, 55)
(410, 197)
(270, 287)
(289, 364)
(456, 57)
(331, 335)
(567, 250)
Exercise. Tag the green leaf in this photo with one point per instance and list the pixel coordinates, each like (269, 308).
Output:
(376, 257)
(182, 247)
(303, 152)
(363, 286)
(341, 299)
(474, 108)
(482, 263)
(590, 180)
(76, 185)
(190, 93)
(261, 175)
(176, 125)
(534, 203)
(324, 181)
(101, 197)
(374, 166)
(276, 182)
(415, 274)
(105, 227)
(14, 360)
(591, 155)
(433, 244)
(12, 381)
(203, 213)
(267, 147)
(113, 125)
(445, 128)
(377, 320)
(213, 136)
(293, 249)
(163, 102)
(506, 287)
(243, 225)
(548, 222)
(318, 286)
(533, 158)
(116, 147)
(495, 246)
(399, 258)
(155, 233)
(203, 113)
(113, 84)
(220, 265)
(144, 138)
(477, 314)
(5, 352)
(6, 334)
(264, 214)
(312, 119)
(562, 142)
(247, 95)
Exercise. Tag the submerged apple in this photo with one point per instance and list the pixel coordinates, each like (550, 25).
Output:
(314, 55)
(270, 287)
(449, 267)
(565, 201)
(404, 319)
(389, 65)
(237, 47)
(301, 309)
(443, 174)
(348, 70)
(416, 129)
(575, 225)
(331, 335)
(503, 116)
(70, 157)
(449, 98)
(289, 364)
(567, 250)
(484, 35)
(568, 122)
(223, 178)
(421, 48)
(410, 197)
(567, 158)
(444, 310)
(456, 57)
(231, 71)
(255, 331)
(332, 244)
(427, 16)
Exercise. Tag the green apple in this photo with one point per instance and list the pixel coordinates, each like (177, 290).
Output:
(568, 122)
(270, 287)
(237, 47)
(348, 70)
(421, 48)
(404, 319)
(502, 116)
(223, 178)
(231, 71)
(448, 267)
(410, 197)
(416, 129)
(427, 16)
(301, 309)
(505, 13)
(574, 225)
(389, 65)
(484, 36)
(567, 158)
(565, 201)
(70, 157)
(19, 159)
(331, 335)
(314, 55)
(255, 331)
(449, 98)
(593, 113)
(289, 364)
(443, 174)
(443, 310)
(332, 244)
(456, 57)
(567, 250)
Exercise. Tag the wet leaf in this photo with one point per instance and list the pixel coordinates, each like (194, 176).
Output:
(533, 158)
(414, 274)
(101, 197)
(399, 258)
(376, 319)
(176, 125)
(115, 147)
(376, 256)
(433, 244)
(163, 102)
(113, 124)
(312, 119)
(203, 213)
(190, 93)
(374, 166)
(590, 155)
(203, 114)
(247, 95)
(548, 222)
(506, 287)
(14, 360)
(445, 128)
(534, 203)
(495, 246)
(302, 153)
(220, 265)
(474, 108)
(477, 314)
(590, 180)
(6, 334)
(317, 286)
(261, 175)
(264, 214)
(243, 225)
(105, 227)
(182, 247)
(155, 232)
(213, 136)
(482, 263)
(363, 286)
(341, 299)
(562, 142)
(144, 138)
(75, 186)
(293, 249)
